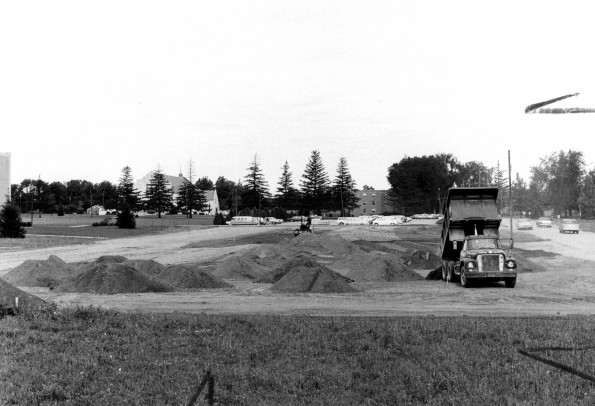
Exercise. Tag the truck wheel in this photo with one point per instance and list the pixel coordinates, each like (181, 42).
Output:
(464, 281)
(450, 272)
(443, 270)
(510, 282)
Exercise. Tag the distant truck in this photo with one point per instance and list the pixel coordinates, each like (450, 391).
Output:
(470, 239)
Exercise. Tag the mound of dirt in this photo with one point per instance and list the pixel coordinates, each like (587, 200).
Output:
(303, 260)
(423, 259)
(46, 272)
(111, 278)
(375, 267)
(239, 267)
(146, 266)
(327, 244)
(26, 301)
(190, 277)
(312, 277)
(111, 259)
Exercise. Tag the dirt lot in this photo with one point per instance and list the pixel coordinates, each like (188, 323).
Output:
(559, 276)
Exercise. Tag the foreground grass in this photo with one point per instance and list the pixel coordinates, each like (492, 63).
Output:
(95, 357)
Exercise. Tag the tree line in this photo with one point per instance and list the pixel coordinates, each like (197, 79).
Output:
(315, 193)
(560, 184)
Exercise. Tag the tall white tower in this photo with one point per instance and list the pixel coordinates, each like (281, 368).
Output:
(4, 177)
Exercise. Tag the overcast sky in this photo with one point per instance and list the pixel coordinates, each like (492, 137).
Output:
(87, 88)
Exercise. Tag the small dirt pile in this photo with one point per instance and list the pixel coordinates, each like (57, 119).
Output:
(26, 301)
(302, 260)
(190, 277)
(376, 267)
(239, 267)
(423, 260)
(46, 272)
(309, 276)
(111, 259)
(111, 278)
(146, 266)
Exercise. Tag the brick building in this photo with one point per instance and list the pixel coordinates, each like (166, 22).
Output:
(372, 202)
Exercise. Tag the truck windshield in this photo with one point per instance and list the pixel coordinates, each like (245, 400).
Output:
(482, 243)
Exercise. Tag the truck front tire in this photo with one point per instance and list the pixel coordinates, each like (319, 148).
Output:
(464, 281)
(510, 282)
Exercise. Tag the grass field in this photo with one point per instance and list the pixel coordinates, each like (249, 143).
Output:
(95, 357)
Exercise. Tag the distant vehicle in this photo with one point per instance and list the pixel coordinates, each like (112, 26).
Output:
(544, 222)
(297, 218)
(244, 221)
(389, 220)
(342, 221)
(524, 224)
(272, 220)
(569, 226)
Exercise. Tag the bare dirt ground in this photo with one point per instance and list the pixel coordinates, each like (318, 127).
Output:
(566, 284)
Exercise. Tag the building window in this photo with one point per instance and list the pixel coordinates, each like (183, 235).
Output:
(364, 195)
(373, 202)
(364, 210)
(373, 210)
(373, 194)
(364, 203)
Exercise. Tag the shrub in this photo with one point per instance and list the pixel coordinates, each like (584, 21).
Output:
(60, 210)
(10, 222)
(126, 218)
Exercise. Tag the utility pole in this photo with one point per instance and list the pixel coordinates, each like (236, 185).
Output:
(510, 199)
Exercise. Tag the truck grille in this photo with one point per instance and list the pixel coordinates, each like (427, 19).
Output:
(490, 263)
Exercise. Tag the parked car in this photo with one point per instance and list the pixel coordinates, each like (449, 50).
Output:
(350, 220)
(544, 222)
(244, 221)
(389, 220)
(524, 224)
(297, 218)
(272, 220)
(569, 226)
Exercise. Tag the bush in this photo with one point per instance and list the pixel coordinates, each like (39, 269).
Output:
(219, 220)
(126, 218)
(10, 222)
(60, 210)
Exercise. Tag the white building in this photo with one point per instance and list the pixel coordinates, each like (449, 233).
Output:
(4, 177)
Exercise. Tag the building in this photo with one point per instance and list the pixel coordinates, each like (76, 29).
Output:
(372, 202)
(175, 182)
(4, 177)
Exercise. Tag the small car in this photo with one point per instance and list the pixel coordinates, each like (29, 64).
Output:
(388, 220)
(272, 220)
(544, 222)
(524, 224)
(341, 221)
(569, 226)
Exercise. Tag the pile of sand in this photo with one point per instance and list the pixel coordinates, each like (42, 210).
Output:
(423, 259)
(239, 267)
(47, 272)
(26, 301)
(375, 267)
(325, 245)
(111, 278)
(304, 274)
(146, 266)
(190, 277)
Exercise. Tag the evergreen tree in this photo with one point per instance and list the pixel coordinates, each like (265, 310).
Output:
(287, 195)
(125, 218)
(128, 196)
(315, 185)
(10, 222)
(205, 183)
(159, 194)
(587, 199)
(344, 191)
(256, 190)
(190, 198)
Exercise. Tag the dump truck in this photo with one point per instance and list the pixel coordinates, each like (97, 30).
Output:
(470, 239)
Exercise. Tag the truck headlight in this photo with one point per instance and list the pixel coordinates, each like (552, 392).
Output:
(510, 264)
(470, 266)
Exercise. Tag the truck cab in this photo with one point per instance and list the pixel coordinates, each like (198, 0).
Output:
(483, 257)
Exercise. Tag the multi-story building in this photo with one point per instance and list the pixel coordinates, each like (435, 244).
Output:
(372, 202)
(4, 177)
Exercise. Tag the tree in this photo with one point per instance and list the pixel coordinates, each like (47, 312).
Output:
(128, 196)
(344, 191)
(586, 201)
(205, 183)
(125, 218)
(159, 193)
(190, 198)
(314, 187)
(226, 192)
(10, 222)
(287, 195)
(256, 193)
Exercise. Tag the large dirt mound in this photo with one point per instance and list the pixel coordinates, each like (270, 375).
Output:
(375, 267)
(190, 277)
(313, 278)
(423, 260)
(26, 301)
(111, 259)
(332, 245)
(111, 278)
(239, 267)
(46, 272)
(146, 266)
(300, 261)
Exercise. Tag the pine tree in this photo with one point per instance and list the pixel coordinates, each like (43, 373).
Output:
(256, 190)
(190, 198)
(159, 194)
(127, 194)
(315, 185)
(287, 195)
(10, 222)
(344, 191)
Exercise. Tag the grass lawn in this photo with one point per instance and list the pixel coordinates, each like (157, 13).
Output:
(95, 357)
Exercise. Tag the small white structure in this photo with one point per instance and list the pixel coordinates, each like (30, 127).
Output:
(96, 210)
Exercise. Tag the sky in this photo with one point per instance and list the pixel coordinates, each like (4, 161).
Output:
(89, 87)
